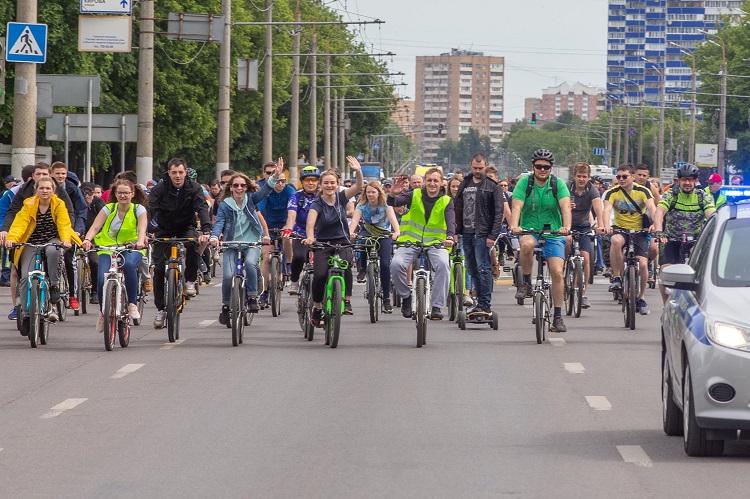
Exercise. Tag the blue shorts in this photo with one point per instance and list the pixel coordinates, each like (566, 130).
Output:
(553, 247)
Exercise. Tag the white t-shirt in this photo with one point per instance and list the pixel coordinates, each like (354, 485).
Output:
(114, 228)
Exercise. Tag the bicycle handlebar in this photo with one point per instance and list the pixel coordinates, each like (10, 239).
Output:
(115, 247)
(37, 246)
(410, 244)
(247, 244)
(325, 245)
(625, 232)
(540, 233)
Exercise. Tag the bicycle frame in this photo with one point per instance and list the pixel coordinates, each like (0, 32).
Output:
(39, 274)
(116, 276)
(336, 268)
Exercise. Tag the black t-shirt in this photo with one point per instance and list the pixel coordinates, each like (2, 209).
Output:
(45, 229)
(583, 204)
(331, 223)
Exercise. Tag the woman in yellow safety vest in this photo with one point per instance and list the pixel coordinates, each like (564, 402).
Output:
(120, 223)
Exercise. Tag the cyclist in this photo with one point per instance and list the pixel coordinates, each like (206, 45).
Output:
(237, 220)
(714, 188)
(454, 184)
(481, 208)
(537, 204)
(416, 182)
(378, 218)
(120, 223)
(682, 211)
(274, 210)
(297, 209)
(431, 219)
(584, 198)
(326, 222)
(629, 201)
(173, 204)
(42, 219)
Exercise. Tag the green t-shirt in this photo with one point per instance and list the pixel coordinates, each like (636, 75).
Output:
(541, 207)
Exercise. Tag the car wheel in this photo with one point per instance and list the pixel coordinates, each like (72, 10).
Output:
(696, 443)
(671, 414)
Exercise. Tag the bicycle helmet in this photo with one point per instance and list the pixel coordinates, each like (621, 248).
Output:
(543, 154)
(687, 170)
(309, 171)
(192, 174)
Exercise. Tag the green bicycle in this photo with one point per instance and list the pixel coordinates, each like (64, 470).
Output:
(457, 283)
(335, 291)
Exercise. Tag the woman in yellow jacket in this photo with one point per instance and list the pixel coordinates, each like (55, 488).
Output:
(43, 219)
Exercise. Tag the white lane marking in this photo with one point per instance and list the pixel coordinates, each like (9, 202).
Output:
(574, 367)
(125, 370)
(63, 406)
(206, 323)
(598, 402)
(217, 285)
(170, 346)
(635, 454)
(558, 342)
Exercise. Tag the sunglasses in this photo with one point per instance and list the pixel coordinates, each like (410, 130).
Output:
(622, 177)
(543, 167)
(269, 173)
(237, 186)
(503, 185)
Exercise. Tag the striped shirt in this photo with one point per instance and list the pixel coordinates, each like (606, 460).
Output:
(45, 229)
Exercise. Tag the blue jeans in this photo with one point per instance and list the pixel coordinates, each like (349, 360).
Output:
(384, 251)
(252, 257)
(132, 260)
(479, 267)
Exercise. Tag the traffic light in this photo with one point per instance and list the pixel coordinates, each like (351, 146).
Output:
(440, 128)
(533, 119)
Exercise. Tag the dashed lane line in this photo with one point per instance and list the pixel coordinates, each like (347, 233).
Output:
(207, 322)
(574, 367)
(170, 346)
(63, 406)
(598, 403)
(634, 454)
(217, 285)
(558, 342)
(125, 370)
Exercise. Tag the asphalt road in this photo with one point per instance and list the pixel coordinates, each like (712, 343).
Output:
(479, 413)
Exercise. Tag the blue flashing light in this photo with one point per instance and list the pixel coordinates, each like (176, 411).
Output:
(736, 193)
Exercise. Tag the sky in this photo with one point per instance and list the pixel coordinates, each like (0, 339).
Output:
(544, 42)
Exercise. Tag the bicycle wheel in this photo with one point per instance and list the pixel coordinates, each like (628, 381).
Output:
(110, 315)
(214, 263)
(458, 286)
(84, 283)
(517, 272)
(372, 293)
(569, 287)
(235, 311)
(123, 326)
(578, 284)
(333, 321)
(173, 325)
(302, 304)
(539, 318)
(274, 297)
(421, 313)
(141, 302)
(632, 296)
(79, 265)
(35, 314)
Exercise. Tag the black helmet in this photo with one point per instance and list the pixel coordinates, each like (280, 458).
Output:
(687, 170)
(544, 154)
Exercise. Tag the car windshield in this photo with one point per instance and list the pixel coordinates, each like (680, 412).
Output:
(732, 263)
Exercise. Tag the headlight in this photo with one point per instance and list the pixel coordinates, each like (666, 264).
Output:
(729, 335)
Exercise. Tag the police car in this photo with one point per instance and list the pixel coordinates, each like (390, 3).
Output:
(706, 334)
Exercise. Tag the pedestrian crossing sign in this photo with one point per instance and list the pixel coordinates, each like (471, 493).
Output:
(26, 42)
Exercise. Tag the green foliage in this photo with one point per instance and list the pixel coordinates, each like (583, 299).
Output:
(460, 152)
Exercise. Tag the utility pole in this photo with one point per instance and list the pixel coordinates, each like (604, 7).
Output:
(609, 136)
(723, 116)
(268, 89)
(225, 67)
(314, 100)
(662, 105)
(144, 160)
(693, 118)
(342, 138)
(617, 147)
(24, 110)
(626, 151)
(334, 133)
(294, 128)
(327, 116)
(640, 134)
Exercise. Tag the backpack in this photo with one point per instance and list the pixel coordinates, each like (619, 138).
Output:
(675, 190)
(553, 185)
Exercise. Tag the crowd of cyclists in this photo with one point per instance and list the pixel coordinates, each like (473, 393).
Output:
(487, 218)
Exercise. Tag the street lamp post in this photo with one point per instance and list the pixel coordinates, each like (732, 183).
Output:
(693, 103)
(662, 105)
(721, 160)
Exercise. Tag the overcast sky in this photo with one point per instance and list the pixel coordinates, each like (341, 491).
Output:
(544, 42)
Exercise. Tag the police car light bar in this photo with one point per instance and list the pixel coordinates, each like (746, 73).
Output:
(736, 193)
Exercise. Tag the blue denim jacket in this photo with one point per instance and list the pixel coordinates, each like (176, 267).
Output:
(226, 218)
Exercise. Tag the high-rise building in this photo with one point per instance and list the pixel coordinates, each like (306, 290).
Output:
(457, 91)
(646, 40)
(403, 117)
(579, 99)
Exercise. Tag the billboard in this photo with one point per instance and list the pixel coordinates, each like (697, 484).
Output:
(706, 155)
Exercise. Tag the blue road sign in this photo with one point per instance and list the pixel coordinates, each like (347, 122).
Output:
(26, 42)
(599, 151)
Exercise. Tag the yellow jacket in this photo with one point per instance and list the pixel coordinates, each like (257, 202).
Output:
(25, 222)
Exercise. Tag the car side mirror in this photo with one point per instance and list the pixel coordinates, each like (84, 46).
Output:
(679, 276)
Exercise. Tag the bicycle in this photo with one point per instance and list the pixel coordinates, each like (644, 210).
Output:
(83, 281)
(574, 275)
(115, 299)
(142, 293)
(630, 277)
(421, 292)
(174, 291)
(239, 317)
(335, 291)
(38, 294)
(542, 289)
(373, 291)
(304, 301)
(277, 278)
(457, 283)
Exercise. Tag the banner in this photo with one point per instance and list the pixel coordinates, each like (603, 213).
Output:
(706, 155)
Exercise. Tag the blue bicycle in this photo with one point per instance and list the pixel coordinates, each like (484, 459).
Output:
(238, 315)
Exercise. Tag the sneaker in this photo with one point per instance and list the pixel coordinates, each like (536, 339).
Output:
(100, 323)
(558, 326)
(522, 291)
(94, 300)
(585, 302)
(159, 318)
(361, 275)
(406, 307)
(436, 314)
(74, 305)
(252, 305)
(224, 315)
(294, 288)
(616, 284)
(52, 315)
(387, 307)
(263, 300)
(348, 308)
(13, 315)
(133, 312)
(148, 285)
(317, 317)
(468, 301)
(642, 306)
(190, 289)
(607, 272)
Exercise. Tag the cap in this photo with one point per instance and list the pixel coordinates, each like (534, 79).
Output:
(715, 178)
(10, 178)
(387, 182)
